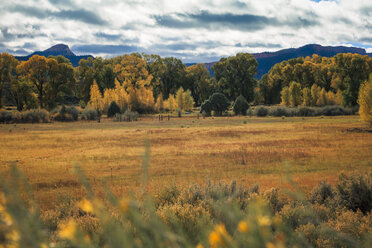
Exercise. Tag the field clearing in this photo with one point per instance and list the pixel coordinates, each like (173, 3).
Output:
(185, 150)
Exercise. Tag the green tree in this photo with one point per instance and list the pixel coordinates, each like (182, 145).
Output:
(8, 66)
(234, 76)
(173, 77)
(198, 80)
(240, 106)
(219, 103)
(36, 71)
(113, 109)
(85, 77)
(23, 94)
(350, 71)
(206, 107)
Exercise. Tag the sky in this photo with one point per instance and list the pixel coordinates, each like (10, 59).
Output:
(191, 30)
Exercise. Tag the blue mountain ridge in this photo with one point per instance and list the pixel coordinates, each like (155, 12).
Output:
(265, 60)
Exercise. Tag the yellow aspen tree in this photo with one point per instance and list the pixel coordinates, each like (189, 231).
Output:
(338, 97)
(170, 103)
(331, 98)
(365, 100)
(179, 98)
(285, 96)
(322, 100)
(315, 91)
(306, 93)
(96, 100)
(188, 100)
(108, 97)
(159, 105)
(294, 94)
(121, 96)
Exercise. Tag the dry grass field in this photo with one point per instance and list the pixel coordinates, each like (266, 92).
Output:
(185, 150)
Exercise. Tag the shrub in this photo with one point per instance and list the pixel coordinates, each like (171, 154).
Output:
(6, 116)
(275, 203)
(30, 116)
(333, 110)
(69, 113)
(219, 103)
(322, 193)
(261, 111)
(306, 111)
(90, 114)
(355, 192)
(240, 106)
(295, 216)
(128, 116)
(35, 116)
(113, 109)
(206, 107)
(283, 111)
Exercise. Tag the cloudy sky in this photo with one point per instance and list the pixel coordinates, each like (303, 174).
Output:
(192, 30)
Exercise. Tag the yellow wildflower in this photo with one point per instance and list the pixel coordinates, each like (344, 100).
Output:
(199, 246)
(86, 205)
(243, 227)
(7, 218)
(270, 245)
(214, 239)
(264, 221)
(68, 230)
(277, 221)
(218, 236)
(124, 205)
(13, 236)
(2, 198)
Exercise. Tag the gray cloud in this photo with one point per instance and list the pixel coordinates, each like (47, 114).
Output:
(82, 15)
(258, 44)
(209, 20)
(108, 49)
(248, 22)
(108, 36)
(8, 36)
(366, 39)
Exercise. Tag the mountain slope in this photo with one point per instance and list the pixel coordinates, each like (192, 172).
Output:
(59, 49)
(266, 60)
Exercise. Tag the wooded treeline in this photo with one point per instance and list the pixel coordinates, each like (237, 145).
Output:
(149, 83)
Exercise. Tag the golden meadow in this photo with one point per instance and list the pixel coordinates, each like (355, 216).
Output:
(185, 197)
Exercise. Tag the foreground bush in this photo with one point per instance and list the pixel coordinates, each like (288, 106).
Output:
(214, 215)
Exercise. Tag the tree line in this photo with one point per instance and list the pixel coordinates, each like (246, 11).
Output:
(149, 83)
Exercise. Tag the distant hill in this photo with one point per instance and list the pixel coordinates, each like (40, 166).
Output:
(266, 60)
(59, 49)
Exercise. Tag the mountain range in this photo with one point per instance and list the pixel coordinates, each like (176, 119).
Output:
(265, 60)
(59, 49)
